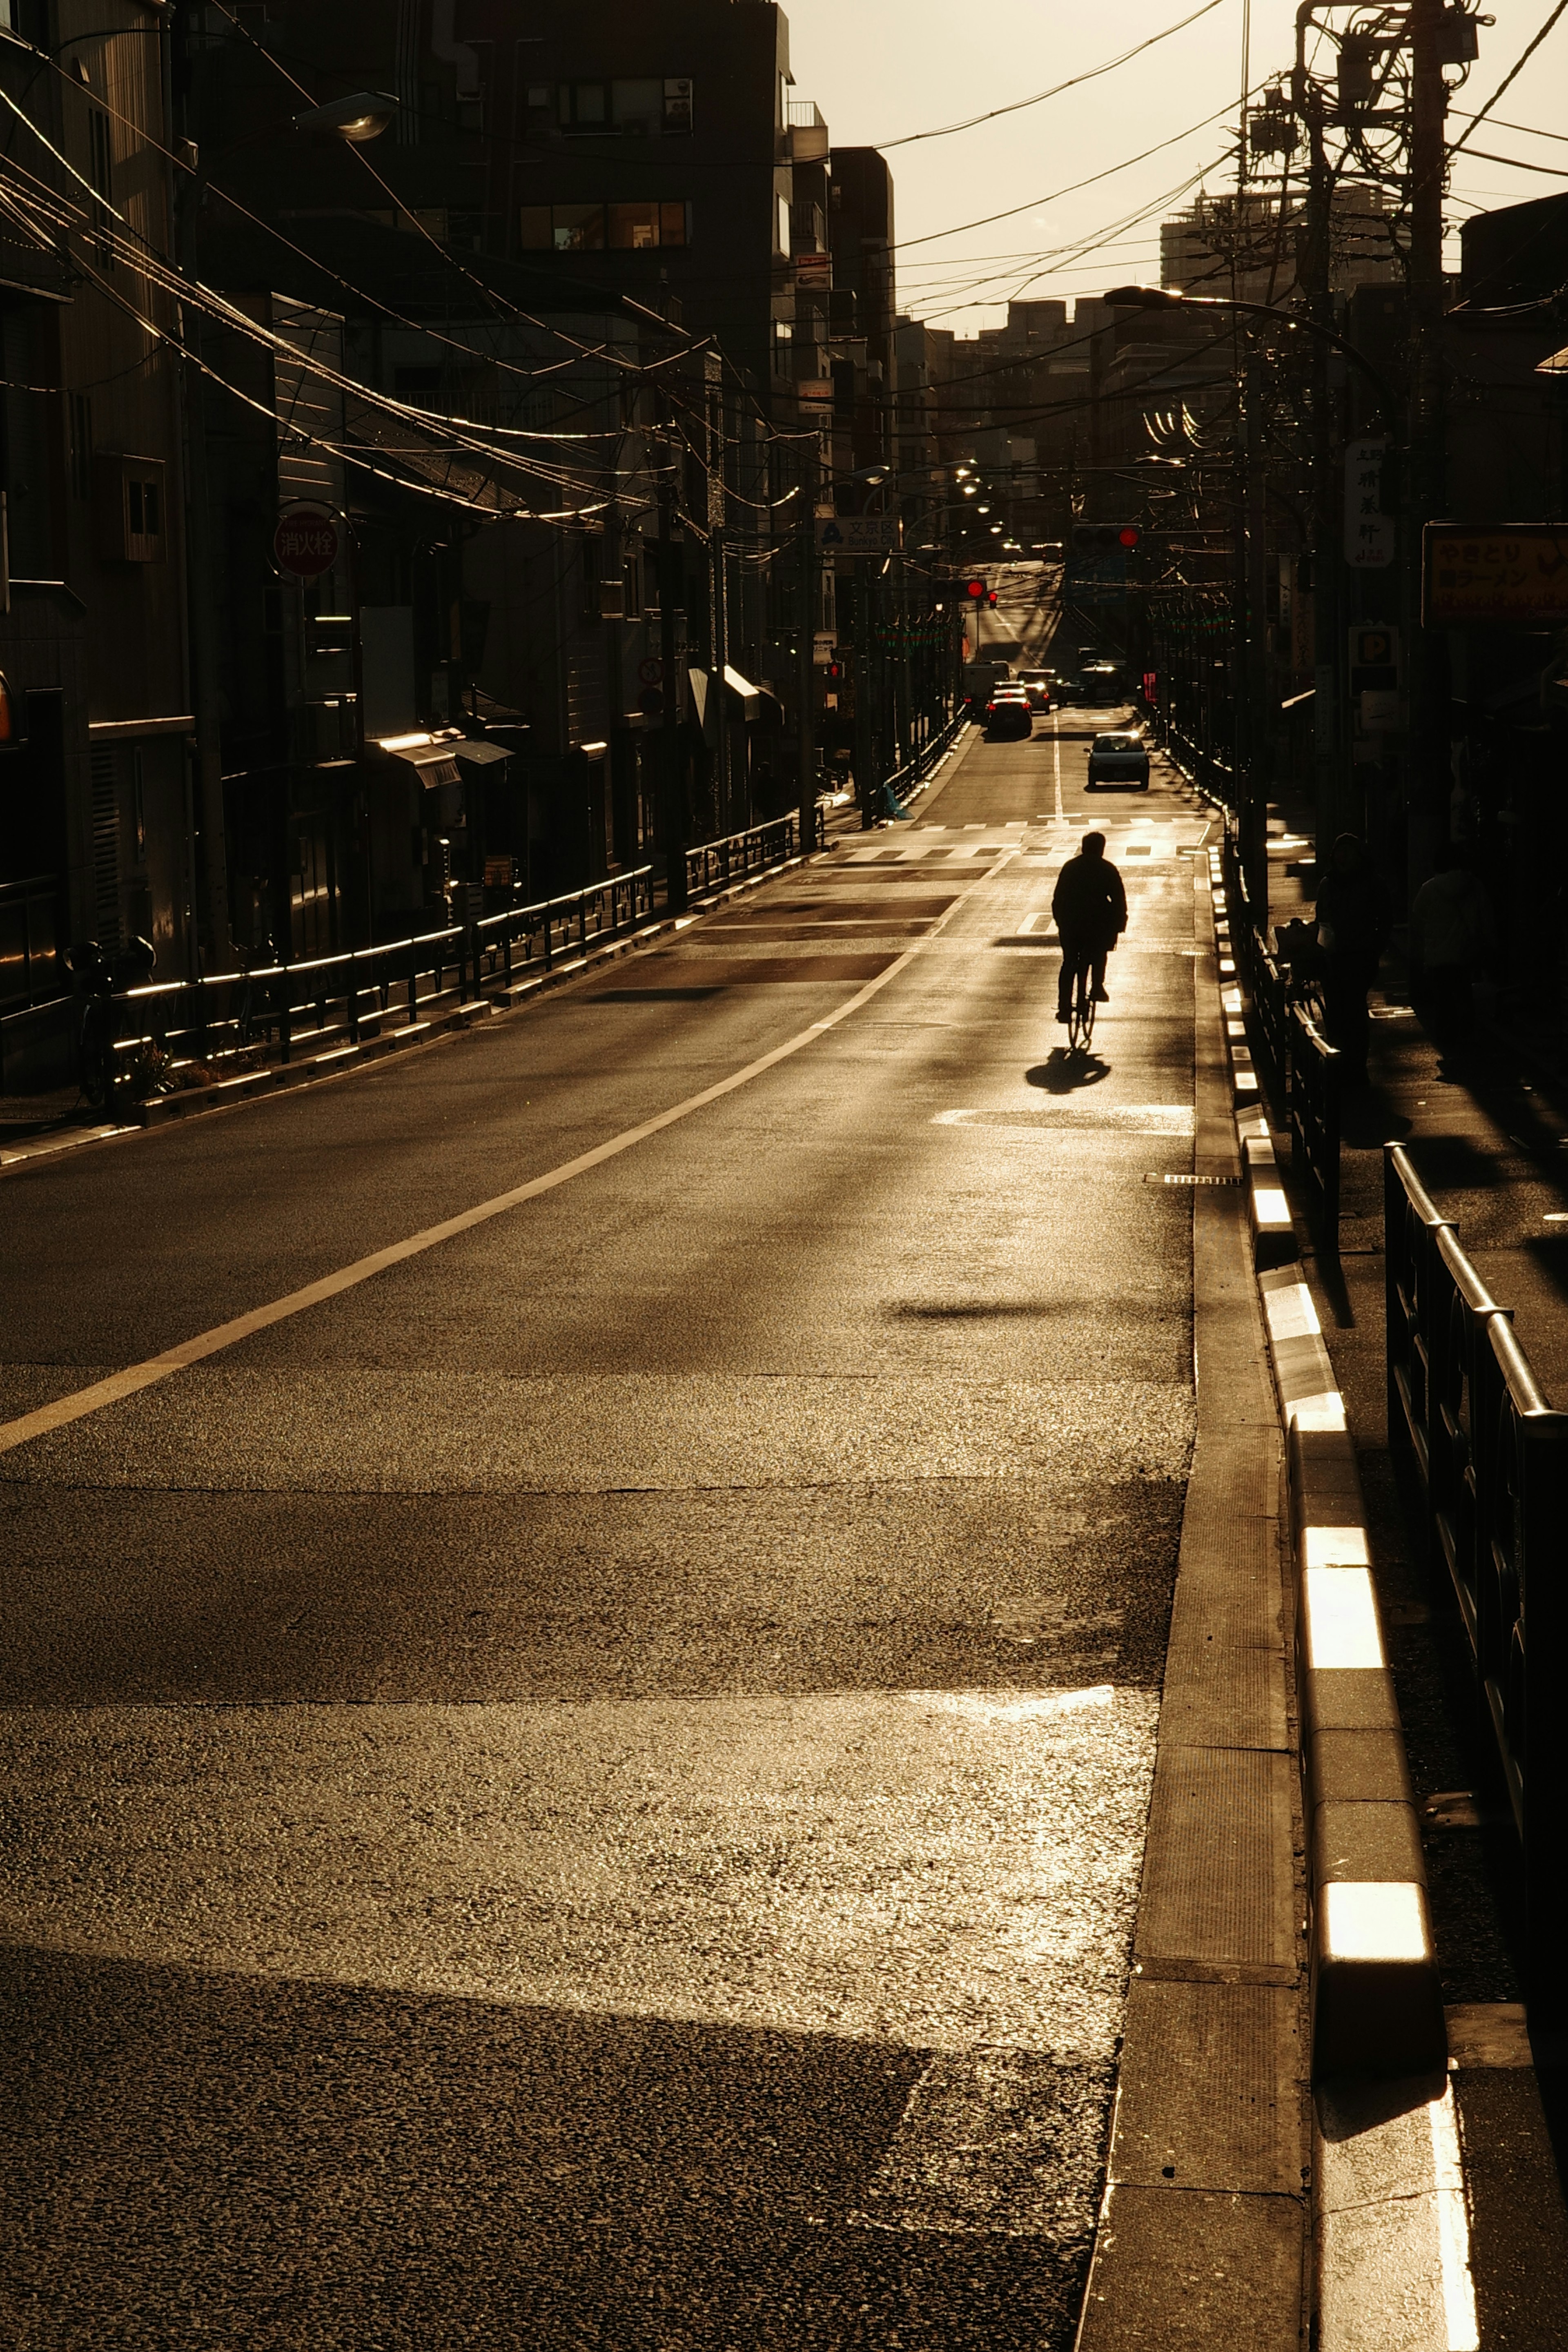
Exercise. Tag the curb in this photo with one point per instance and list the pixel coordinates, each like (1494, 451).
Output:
(1268, 1210)
(1377, 2006)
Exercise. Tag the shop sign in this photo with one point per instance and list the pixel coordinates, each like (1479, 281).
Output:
(1372, 537)
(1515, 574)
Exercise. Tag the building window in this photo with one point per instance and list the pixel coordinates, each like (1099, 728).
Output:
(645, 107)
(590, 228)
(584, 105)
(781, 226)
(128, 507)
(637, 229)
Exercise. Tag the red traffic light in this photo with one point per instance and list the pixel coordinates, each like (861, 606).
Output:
(991, 596)
(1128, 534)
(975, 588)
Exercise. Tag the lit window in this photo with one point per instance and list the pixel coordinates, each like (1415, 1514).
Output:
(577, 228)
(640, 227)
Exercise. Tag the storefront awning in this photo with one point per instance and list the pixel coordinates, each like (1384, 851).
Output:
(429, 756)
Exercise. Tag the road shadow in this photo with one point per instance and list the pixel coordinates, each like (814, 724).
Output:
(1368, 1119)
(195, 2157)
(1063, 1072)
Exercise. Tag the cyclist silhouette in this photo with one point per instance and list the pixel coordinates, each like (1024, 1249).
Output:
(1090, 910)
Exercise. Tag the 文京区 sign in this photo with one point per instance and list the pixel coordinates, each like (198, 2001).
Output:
(1494, 572)
(305, 542)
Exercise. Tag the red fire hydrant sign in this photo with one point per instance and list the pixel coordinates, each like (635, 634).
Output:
(305, 543)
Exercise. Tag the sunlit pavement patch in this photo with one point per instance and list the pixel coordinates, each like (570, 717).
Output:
(893, 1866)
(1129, 1118)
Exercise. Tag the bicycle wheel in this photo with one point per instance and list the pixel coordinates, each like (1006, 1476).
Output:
(1080, 1018)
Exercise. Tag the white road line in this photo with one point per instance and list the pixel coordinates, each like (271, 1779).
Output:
(135, 1376)
(1056, 756)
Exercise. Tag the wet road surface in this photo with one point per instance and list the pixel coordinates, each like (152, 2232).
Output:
(589, 1791)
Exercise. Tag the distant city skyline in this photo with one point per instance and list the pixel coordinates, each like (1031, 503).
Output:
(888, 68)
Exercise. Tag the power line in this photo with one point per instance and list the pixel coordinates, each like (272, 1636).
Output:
(1018, 104)
(1513, 75)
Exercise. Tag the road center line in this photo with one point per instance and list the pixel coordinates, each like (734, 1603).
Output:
(1056, 756)
(153, 1369)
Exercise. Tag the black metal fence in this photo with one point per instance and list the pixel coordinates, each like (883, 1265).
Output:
(903, 783)
(1484, 1461)
(1316, 1085)
(346, 995)
(276, 1010)
(713, 863)
(1303, 1073)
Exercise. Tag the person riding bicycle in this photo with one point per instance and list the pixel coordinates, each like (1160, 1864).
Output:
(1090, 910)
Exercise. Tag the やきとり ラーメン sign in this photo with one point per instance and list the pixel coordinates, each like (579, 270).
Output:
(1496, 571)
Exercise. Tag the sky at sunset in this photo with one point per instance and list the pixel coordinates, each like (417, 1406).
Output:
(880, 69)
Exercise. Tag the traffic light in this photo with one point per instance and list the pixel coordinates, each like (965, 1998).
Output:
(1088, 538)
(978, 590)
(991, 595)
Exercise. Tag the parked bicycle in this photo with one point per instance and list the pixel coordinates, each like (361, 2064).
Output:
(99, 976)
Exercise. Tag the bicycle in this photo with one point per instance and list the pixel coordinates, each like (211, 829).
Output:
(1081, 1005)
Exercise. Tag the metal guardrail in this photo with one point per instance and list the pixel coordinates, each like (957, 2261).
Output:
(1484, 1459)
(352, 994)
(343, 993)
(713, 863)
(1315, 1083)
(1304, 1074)
(905, 781)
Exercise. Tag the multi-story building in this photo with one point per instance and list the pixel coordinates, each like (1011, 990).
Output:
(111, 830)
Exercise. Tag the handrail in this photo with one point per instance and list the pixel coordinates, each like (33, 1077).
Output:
(1483, 1459)
(904, 782)
(354, 992)
(710, 865)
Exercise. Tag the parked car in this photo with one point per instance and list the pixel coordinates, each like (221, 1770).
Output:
(1009, 715)
(1119, 760)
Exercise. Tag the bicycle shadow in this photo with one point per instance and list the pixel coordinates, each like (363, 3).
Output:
(1063, 1071)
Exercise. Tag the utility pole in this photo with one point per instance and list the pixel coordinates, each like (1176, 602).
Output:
(1328, 490)
(718, 684)
(1255, 679)
(1425, 666)
(864, 726)
(805, 648)
(672, 777)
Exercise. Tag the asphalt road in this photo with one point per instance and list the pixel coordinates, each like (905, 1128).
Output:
(589, 1791)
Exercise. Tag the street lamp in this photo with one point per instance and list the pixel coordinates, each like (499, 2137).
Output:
(358, 119)
(1169, 297)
